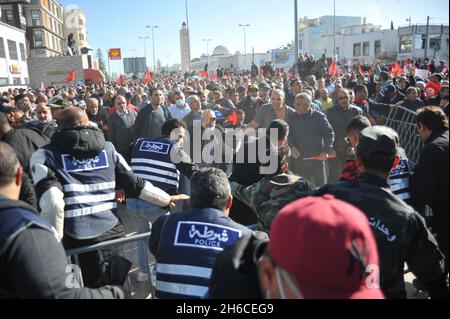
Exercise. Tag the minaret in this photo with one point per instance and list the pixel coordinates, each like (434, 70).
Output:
(185, 45)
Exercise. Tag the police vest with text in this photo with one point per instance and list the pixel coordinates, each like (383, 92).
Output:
(189, 245)
(399, 180)
(89, 191)
(151, 161)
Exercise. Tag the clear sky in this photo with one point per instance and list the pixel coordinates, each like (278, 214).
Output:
(120, 23)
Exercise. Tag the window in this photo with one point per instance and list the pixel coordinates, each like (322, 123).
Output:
(9, 16)
(16, 81)
(54, 44)
(366, 48)
(357, 49)
(4, 81)
(378, 48)
(80, 23)
(419, 42)
(81, 37)
(35, 18)
(2, 49)
(435, 42)
(406, 43)
(38, 38)
(12, 48)
(22, 51)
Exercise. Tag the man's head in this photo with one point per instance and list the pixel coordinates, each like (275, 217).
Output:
(354, 129)
(390, 91)
(296, 86)
(303, 103)
(217, 96)
(384, 77)
(210, 188)
(278, 132)
(344, 99)
(436, 78)
(156, 97)
(23, 103)
(92, 106)
(324, 95)
(240, 114)
(320, 248)
(180, 100)
(430, 120)
(361, 92)
(277, 99)
(194, 103)
(10, 172)
(120, 103)
(72, 117)
(412, 94)
(175, 130)
(209, 119)
(5, 125)
(377, 151)
(43, 113)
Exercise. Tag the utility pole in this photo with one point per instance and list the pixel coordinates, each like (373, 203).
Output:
(334, 30)
(297, 51)
(153, 27)
(245, 43)
(426, 37)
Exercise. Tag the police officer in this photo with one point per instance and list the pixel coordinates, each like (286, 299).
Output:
(186, 244)
(75, 179)
(159, 161)
(400, 232)
(33, 263)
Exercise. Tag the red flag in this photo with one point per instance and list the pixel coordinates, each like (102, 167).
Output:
(148, 77)
(332, 69)
(204, 74)
(213, 76)
(396, 70)
(428, 68)
(232, 118)
(71, 77)
(360, 69)
(432, 90)
(406, 63)
(121, 80)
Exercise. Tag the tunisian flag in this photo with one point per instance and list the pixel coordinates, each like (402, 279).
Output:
(432, 90)
(332, 69)
(148, 77)
(121, 80)
(397, 71)
(71, 77)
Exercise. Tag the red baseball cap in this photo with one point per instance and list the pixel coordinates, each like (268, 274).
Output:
(329, 248)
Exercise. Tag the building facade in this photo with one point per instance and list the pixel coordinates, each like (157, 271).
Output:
(312, 31)
(363, 44)
(185, 47)
(44, 19)
(13, 59)
(413, 42)
(75, 25)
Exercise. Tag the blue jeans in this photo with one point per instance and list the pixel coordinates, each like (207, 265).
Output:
(143, 215)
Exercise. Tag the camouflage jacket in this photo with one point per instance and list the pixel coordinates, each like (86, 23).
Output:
(268, 196)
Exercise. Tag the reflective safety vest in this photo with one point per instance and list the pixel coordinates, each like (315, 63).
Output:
(189, 245)
(400, 180)
(151, 160)
(89, 191)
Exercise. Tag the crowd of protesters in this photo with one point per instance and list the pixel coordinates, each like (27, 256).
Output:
(80, 150)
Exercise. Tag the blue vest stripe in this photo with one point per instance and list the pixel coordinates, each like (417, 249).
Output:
(154, 170)
(181, 289)
(89, 199)
(184, 270)
(89, 188)
(90, 210)
(152, 162)
(399, 184)
(157, 179)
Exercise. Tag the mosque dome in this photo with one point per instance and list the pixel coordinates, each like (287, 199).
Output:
(221, 50)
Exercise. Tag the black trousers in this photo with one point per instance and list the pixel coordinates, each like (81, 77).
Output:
(90, 263)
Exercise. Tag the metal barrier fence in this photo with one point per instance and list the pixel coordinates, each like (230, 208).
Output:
(120, 243)
(403, 121)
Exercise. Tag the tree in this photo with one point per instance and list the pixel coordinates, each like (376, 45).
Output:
(101, 63)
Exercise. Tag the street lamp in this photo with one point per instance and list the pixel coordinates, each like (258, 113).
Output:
(153, 27)
(207, 45)
(133, 51)
(245, 43)
(145, 48)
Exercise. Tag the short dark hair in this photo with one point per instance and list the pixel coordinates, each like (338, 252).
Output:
(377, 163)
(8, 164)
(433, 118)
(171, 125)
(152, 90)
(241, 112)
(284, 152)
(358, 124)
(210, 188)
(384, 75)
(360, 88)
(282, 128)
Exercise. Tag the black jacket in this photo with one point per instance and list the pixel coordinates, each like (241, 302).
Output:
(235, 273)
(400, 232)
(430, 184)
(144, 120)
(25, 142)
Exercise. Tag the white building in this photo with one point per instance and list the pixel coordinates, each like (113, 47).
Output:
(363, 43)
(13, 60)
(185, 47)
(75, 23)
(412, 42)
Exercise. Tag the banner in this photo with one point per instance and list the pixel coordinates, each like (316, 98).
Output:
(115, 54)
(423, 74)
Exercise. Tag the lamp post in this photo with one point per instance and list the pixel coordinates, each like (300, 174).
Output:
(145, 48)
(153, 27)
(207, 45)
(245, 43)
